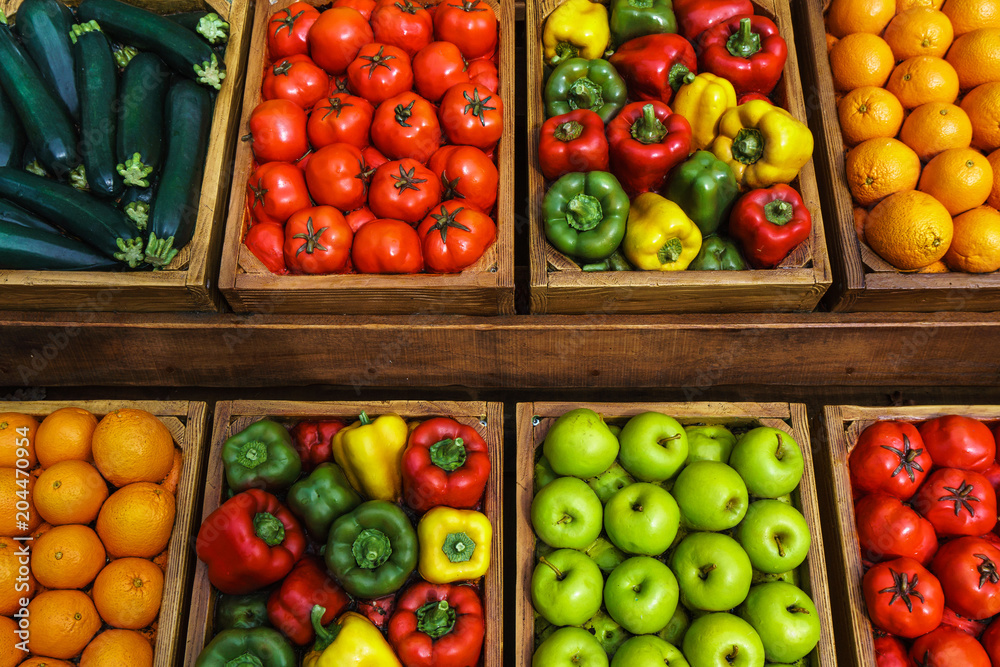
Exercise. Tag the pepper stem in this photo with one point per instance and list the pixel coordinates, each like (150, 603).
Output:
(436, 619)
(325, 634)
(448, 454)
(564, 51)
(648, 129)
(568, 131)
(458, 547)
(364, 419)
(245, 660)
(744, 42)
(252, 454)
(678, 76)
(778, 212)
(670, 251)
(585, 94)
(584, 212)
(748, 146)
(371, 548)
(269, 528)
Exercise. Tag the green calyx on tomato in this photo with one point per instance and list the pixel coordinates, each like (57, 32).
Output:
(377, 60)
(442, 222)
(407, 180)
(403, 113)
(311, 238)
(476, 106)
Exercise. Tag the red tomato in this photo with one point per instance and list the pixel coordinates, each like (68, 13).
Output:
(341, 118)
(967, 570)
(403, 24)
(295, 78)
(373, 158)
(992, 473)
(387, 246)
(889, 529)
(467, 174)
(890, 457)
(404, 190)
(954, 441)
(265, 241)
(903, 598)
(364, 6)
(890, 651)
(359, 217)
(957, 502)
(470, 24)
(483, 72)
(338, 176)
(278, 131)
(991, 641)
(276, 190)
(966, 625)
(379, 72)
(337, 36)
(436, 68)
(948, 647)
(339, 84)
(455, 236)
(317, 240)
(472, 115)
(288, 29)
(406, 126)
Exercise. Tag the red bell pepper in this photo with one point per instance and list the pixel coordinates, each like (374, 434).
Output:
(378, 610)
(749, 97)
(314, 443)
(266, 240)
(696, 16)
(655, 66)
(769, 223)
(250, 542)
(646, 142)
(748, 51)
(438, 626)
(445, 463)
(571, 142)
(290, 606)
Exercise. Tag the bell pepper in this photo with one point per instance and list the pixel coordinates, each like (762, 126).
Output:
(585, 214)
(616, 262)
(576, 28)
(250, 542)
(351, 642)
(378, 610)
(314, 441)
(747, 97)
(747, 51)
(635, 18)
(454, 545)
(372, 550)
(321, 498)
(769, 223)
(718, 254)
(705, 189)
(370, 453)
(256, 646)
(241, 611)
(702, 102)
(290, 606)
(579, 83)
(646, 141)
(696, 16)
(762, 144)
(570, 142)
(438, 626)
(261, 456)
(445, 463)
(660, 237)
(655, 66)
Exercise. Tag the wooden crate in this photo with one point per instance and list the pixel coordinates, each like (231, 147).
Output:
(533, 422)
(485, 288)
(186, 421)
(864, 281)
(844, 423)
(559, 286)
(188, 282)
(233, 416)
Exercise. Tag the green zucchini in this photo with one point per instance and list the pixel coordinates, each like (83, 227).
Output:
(14, 214)
(179, 47)
(97, 81)
(24, 248)
(209, 25)
(140, 118)
(91, 220)
(44, 27)
(12, 139)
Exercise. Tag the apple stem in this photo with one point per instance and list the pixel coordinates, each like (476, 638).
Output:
(731, 658)
(663, 441)
(777, 452)
(781, 548)
(637, 507)
(559, 575)
(705, 571)
(566, 518)
(794, 609)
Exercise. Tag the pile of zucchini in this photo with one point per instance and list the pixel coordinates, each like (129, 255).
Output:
(105, 114)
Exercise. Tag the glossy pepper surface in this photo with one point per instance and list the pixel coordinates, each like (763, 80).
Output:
(290, 606)
(705, 189)
(769, 223)
(445, 463)
(241, 611)
(646, 141)
(660, 236)
(261, 456)
(696, 16)
(370, 451)
(762, 144)
(635, 18)
(570, 142)
(313, 440)
(257, 646)
(438, 626)
(585, 214)
(702, 102)
(575, 28)
(747, 51)
(718, 254)
(372, 550)
(579, 83)
(353, 641)
(454, 545)
(321, 498)
(655, 66)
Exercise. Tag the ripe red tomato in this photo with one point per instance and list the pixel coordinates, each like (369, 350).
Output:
(471, 115)
(957, 502)
(890, 651)
(470, 24)
(337, 36)
(317, 240)
(278, 131)
(954, 441)
(991, 641)
(406, 126)
(338, 176)
(359, 217)
(403, 24)
(404, 190)
(959, 622)
(276, 190)
(889, 529)
(455, 236)
(903, 598)
(967, 570)
(466, 174)
(288, 29)
(373, 158)
(483, 72)
(387, 246)
(889, 456)
(366, 7)
(295, 78)
(380, 71)
(341, 118)
(265, 240)
(948, 647)
(436, 68)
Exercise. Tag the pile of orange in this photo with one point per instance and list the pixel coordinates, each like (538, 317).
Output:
(100, 498)
(918, 97)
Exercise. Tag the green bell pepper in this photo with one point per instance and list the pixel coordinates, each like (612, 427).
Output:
(635, 18)
(372, 550)
(321, 498)
(256, 647)
(718, 254)
(261, 457)
(616, 262)
(241, 611)
(705, 189)
(579, 83)
(585, 213)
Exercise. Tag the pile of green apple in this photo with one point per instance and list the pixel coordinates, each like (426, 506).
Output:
(660, 544)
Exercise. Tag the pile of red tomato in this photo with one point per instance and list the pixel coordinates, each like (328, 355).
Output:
(374, 145)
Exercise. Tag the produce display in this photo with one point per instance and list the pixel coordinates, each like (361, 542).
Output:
(105, 111)
(350, 544)
(374, 143)
(659, 544)
(918, 100)
(665, 146)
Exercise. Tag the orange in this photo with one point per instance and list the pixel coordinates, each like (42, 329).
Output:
(959, 178)
(132, 446)
(67, 557)
(976, 57)
(860, 215)
(849, 16)
(878, 168)
(137, 520)
(923, 79)
(921, 31)
(63, 435)
(903, 5)
(830, 41)
(910, 230)
(10, 655)
(994, 198)
(13, 585)
(18, 516)
(936, 267)
(935, 127)
(70, 492)
(968, 15)
(860, 59)
(983, 106)
(62, 623)
(46, 662)
(869, 113)
(976, 245)
(173, 478)
(128, 593)
(118, 647)
(17, 432)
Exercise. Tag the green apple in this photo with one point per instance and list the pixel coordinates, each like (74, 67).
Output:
(790, 577)
(775, 536)
(543, 473)
(566, 514)
(610, 481)
(653, 446)
(580, 444)
(641, 594)
(722, 640)
(709, 443)
(711, 496)
(785, 618)
(570, 647)
(566, 587)
(608, 632)
(648, 651)
(712, 570)
(642, 519)
(769, 461)
(606, 555)
(678, 624)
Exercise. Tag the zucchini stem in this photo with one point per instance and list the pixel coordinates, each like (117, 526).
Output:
(131, 252)
(124, 55)
(209, 73)
(138, 212)
(160, 252)
(135, 172)
(35, 167)
(78, 178)
(213, 29)
(81, 28)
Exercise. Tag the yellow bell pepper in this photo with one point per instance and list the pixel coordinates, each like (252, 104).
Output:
(659, 235)
(576, 28)
(353, 641)
(371, 454)
(454, 545)
(702, 103)
(762, 144)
